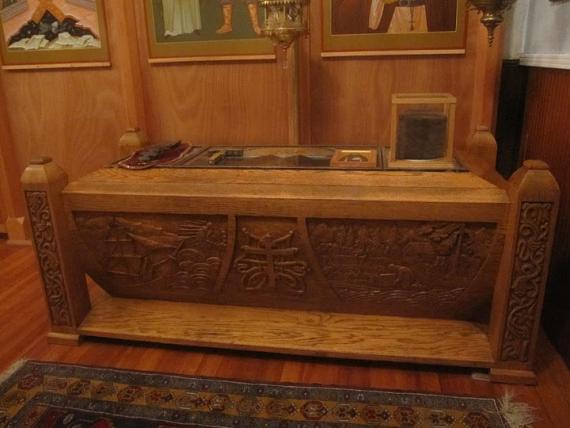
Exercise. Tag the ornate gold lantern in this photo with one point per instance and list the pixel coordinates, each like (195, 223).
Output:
(492, 11)
(284, 22)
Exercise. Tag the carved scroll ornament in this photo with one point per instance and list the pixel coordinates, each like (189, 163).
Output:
(528, 275)
(48, 257)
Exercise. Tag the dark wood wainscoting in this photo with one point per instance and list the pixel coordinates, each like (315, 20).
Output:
(546, 136)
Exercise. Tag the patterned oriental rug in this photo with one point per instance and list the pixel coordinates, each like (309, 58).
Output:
(50, 395)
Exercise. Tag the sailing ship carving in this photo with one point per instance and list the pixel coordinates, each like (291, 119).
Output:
(139, 250)
(170, 253)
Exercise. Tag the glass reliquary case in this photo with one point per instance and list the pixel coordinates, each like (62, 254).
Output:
(422, 135)
(180, 155)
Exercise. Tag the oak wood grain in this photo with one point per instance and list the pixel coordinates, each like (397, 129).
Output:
(209, 102)
(521, 283)
(23, 336)
(65, 288)
(297, 332)
(350, 97)
(11, 203)
(75, 116)
(346, 194)
(275, 199)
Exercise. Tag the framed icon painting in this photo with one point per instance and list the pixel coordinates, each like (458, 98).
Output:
(198, 30)
(53, 33)
(393, 27)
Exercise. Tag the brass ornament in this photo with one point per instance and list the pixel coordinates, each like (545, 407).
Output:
(492, 11)
(284, 22)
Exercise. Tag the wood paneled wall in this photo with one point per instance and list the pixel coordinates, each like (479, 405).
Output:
(206, 103)
(547, 136)
(74, 116)
(351, 97)
(77, 116)
(11, 202)
(3, 217)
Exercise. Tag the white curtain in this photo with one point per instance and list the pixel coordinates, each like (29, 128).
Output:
(181, 17)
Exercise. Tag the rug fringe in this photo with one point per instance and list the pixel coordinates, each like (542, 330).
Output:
(517, 414)
(12, 369)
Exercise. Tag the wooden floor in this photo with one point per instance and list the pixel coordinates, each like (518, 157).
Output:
(24, 323)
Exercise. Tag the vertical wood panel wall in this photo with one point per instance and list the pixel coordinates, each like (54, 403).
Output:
(350, 98)
(74, 116)
(77, 116)
(547, 136)
(11, 202)
(3, 218)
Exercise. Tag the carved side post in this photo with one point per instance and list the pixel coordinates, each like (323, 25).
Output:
(63, 280)
(519, 295)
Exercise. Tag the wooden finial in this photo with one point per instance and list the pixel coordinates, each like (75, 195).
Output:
(42, 160)
(536, 165)
(132, 140)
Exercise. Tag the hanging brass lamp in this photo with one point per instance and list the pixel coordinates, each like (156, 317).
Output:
(284, 22)
(492, 11)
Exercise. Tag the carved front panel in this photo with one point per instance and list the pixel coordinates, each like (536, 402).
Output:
(409, 267)
(528, 275)
(423, 269)
(48, 257)
(145, 255)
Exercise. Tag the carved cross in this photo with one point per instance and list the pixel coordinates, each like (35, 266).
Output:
(264, 265)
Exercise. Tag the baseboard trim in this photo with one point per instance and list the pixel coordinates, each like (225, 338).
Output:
(546, 60)
(14, 243)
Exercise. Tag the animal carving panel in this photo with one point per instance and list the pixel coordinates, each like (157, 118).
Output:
(178, 254)
(407, 266)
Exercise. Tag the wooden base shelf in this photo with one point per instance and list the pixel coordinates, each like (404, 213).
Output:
(350, 336)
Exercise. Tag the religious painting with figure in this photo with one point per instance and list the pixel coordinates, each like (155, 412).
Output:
(52, 31)
(211, 29)
(392, 27)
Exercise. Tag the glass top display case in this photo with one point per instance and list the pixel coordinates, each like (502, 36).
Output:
(285, 157)
(180, 155)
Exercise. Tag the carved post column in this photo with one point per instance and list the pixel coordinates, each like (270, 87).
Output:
(519, 294)
(63, 280)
